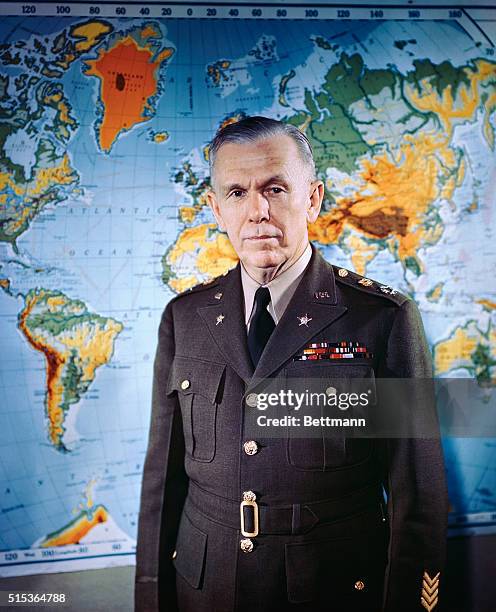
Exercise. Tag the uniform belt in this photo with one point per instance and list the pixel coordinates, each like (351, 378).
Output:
(286, 519)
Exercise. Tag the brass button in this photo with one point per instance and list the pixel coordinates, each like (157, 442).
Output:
(174, 554)
(185, 384)
(246, 545)
(359, 585)
(249, 496)
(250, 447)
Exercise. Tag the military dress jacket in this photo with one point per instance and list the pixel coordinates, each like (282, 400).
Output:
(342, 524)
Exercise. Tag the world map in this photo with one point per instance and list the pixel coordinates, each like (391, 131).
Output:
(104, 132)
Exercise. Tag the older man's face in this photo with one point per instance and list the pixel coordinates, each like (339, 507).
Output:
(263, 197)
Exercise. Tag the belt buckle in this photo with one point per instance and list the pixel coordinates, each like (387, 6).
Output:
(249, 500)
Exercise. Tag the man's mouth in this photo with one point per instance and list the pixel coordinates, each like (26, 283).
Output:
(263, 237)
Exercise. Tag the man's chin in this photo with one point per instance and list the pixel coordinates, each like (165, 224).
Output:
(263, 259)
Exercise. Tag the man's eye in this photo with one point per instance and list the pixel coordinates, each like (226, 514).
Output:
(237, 193)
(275, 189)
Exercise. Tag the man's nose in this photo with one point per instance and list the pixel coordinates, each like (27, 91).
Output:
(258, 207)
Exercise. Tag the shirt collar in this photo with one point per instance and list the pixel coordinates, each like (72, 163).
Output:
(281, 288)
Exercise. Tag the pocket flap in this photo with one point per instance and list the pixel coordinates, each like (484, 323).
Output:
(191, 545)
(195, 376)
(347, 377)
(351, 568)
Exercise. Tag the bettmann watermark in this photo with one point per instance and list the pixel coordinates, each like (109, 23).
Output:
(369, 408)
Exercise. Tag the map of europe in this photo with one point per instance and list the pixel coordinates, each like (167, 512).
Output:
(104, 132)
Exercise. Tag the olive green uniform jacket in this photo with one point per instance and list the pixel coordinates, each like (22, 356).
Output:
(326, 540)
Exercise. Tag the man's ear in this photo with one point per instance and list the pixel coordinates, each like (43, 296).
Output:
(214, 205)
(316, 197)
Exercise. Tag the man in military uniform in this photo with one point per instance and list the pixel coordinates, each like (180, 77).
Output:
(231, 523)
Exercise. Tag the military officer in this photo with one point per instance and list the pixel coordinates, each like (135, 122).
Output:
(233, 523)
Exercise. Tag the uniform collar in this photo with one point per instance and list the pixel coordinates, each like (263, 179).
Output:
(281, 288)
(313, 306)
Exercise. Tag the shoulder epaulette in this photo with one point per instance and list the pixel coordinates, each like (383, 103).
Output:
(368, 285)
(206, 284)
(200, 287)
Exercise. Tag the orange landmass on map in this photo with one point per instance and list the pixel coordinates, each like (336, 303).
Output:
(457, 350)
(128, 75)
(487, 304)
(392, 196)
(214, 254)
(77, 529)
(149, 32)
(89, 34)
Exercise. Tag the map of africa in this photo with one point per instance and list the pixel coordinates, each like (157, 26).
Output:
(104, 132)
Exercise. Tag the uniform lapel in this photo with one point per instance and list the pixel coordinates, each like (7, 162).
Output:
(314, 298)
(230, 333)
(312, 308)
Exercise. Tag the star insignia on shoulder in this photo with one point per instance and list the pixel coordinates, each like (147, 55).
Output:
(219, 319)
(388, 290)
(368, 285)
(304, 320)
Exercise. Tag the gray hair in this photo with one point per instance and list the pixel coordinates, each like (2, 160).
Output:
(252, 129)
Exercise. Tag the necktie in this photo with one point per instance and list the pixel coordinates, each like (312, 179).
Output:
(261, 326)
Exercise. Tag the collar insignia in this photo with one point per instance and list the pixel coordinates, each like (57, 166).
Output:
(304, 320)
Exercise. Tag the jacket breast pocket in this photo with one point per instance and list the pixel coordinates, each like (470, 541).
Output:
(199, 386)
(336, 439)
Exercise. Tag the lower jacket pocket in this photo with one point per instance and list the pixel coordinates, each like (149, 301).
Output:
(191, 546)
(346, 571)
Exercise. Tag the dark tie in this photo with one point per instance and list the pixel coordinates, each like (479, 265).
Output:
(261, 326)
